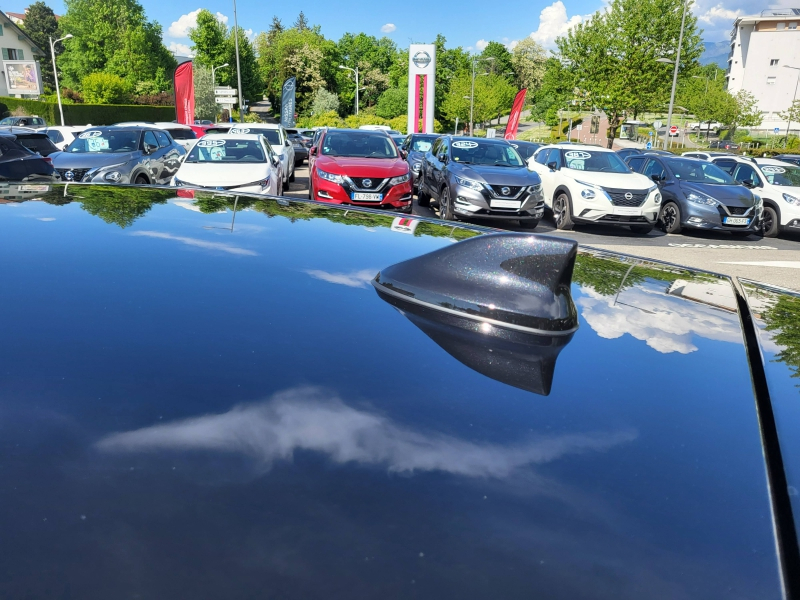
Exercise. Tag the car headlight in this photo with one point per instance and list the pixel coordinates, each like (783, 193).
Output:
(536, 191)
(112, 176)
(400, 179)
(588, 193)
(792, 199)
(469, 183)
(657, 199)
(416, 167)
(330, 176)
(698, 198)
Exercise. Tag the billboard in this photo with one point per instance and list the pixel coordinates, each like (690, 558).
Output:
(22, 77)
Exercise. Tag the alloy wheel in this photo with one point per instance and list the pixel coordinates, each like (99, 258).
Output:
(669, 216)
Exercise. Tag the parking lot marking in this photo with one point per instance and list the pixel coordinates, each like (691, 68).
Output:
(786, 264)
(724, 246)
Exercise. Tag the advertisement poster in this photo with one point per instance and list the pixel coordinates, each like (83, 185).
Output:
(22, 77)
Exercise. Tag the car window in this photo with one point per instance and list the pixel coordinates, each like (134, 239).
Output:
(182, 134)
(525, 150)
(746, 174)
(150, 138)
(690, 155)
(481, 152)
(696, 171)
(435, 148)
(109, 141)
(163, 139)
(726, 165)
(55, 136)
(636, 163)
(783, 175)
(35, 143)
(541, 156)
(443, 148)
(273, 135)
(601, 162)
(218, 149)
(554, 156)
(654, 167)
(420, 144)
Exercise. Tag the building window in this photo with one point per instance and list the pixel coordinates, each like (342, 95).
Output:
(781, 26)
(793, 25)
(773, 62)
(770, 80)
(12, 54)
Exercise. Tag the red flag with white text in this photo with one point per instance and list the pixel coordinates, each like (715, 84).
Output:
(184, 93)
(516, 112)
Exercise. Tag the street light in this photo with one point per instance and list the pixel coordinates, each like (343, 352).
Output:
(55, 72)
(356, 72)
(472, 94)
(238, 69)
(677, 62)
(789, 124)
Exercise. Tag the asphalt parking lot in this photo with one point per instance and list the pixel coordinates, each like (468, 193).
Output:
(775, 261)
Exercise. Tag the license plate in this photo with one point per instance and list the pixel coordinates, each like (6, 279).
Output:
(622, 210)
(366, 197)
(515, 204)
(736, 221)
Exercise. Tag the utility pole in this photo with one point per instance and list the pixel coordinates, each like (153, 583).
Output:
(55, 72)
(238, 65)
(674, 75)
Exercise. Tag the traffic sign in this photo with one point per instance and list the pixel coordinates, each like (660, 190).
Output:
(673, 130)
(776, 130)
(650, 133)
(225, 91)
(657, 124)
(649, 145)
(225, 100)
(579, 126)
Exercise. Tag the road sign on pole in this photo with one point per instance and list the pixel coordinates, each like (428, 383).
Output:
(650, 133)
(225, 91)
(776, 130)
(673, 130)
(649, 145)
(657, 124)
(225, 100)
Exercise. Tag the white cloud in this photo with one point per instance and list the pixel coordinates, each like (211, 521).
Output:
(181, 27)
(198, 243)
(352, 279)
(553, 23)
(388, 28)
(719, 12)
(481, 45)
(180, 49)
(311, 420)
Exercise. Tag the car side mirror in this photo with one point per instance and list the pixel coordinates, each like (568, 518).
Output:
(443, 158)
(312, 151)
(275, 161)
(150, 148)
(552, 165)
(656, 177)
(286, 143)
(404, 154)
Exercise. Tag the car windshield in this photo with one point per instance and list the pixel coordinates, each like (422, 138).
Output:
(273, 135)
(106, 142)
(226, 150)
(422, 144)
(602, 162)
(784, 175)
(470, 152)
(696, 171)
(358, 145)
(525, 150)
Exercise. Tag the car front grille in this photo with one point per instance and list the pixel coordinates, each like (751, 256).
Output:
(738, 210)
(624, 219)
(76, 174)
(637, 197)
(512, 191)
(375, 184)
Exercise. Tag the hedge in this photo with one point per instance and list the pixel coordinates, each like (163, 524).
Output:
(81, 114)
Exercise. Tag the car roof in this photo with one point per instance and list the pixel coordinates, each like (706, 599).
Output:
(771, 161)
(295, 434)
(576, 146)
(243, 136)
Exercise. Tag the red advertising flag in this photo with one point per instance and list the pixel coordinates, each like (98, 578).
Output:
(184, 93)
(516, 112)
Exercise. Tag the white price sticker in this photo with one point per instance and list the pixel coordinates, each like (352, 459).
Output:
(90, 134)
(577, 155)
(465, 144)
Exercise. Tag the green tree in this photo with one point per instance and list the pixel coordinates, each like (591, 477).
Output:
(113, 36)
(493, 96)
(392, 103)
(742, 111)
(783, 320)
(553, 94)
(705, 95)
(792, 113)
(205, 107)
(324, 102)
(301, 24)
(252, 82)
(40, 24)
(450, 64)
(209, 43)
(374, 58)
(105, 88)
(529, 60)
(502, 60)
(612, 57)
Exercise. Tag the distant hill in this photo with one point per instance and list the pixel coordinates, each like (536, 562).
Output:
(715, 52)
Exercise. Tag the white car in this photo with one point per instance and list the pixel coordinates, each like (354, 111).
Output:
(231, 161)
(62, 136)
(778, 184)
(182, 134)
(589, 184)
(281, 144)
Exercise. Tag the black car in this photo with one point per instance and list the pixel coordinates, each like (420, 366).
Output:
(32, 140)
(301, 146)
(483, 178)
(525, 149)
(18, 163)
(790, 158)
(698, 194)
(415, 145)
(537, 447)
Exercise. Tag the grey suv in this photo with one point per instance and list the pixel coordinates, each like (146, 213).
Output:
(141, 155)
(480, 178)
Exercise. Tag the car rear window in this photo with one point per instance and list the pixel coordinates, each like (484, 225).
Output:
(55, 135)
(182, 134)
(38, 143)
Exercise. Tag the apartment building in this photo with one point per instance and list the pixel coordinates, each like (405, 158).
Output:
(765, 61)
(20, 75)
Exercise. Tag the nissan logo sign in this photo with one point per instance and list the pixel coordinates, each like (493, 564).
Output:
(69, 175)
(422, 59)
(367, 183)
(505, 191)
(628, 196)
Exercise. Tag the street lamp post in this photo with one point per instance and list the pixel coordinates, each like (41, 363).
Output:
(674, 74)
(238, 67)
(356, 72)
(472, 95)
(55, 72)
(789, 124)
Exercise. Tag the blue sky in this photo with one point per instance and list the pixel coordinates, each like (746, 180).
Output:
(463, 22)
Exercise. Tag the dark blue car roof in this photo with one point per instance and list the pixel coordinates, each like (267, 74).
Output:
(203, 403)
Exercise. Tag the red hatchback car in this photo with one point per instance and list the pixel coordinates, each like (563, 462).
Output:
(360, 167)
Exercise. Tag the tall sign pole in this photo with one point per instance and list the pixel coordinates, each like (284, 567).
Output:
(238, 66)
(421, 79)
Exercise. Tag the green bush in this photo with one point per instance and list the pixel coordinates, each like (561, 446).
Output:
(104, 88)
(81, 114)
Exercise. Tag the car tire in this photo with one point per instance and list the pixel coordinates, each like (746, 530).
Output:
(771, 223)
(291, 177)
(670, 218)
(280, 188)
(141, 180)
(445, 205)
(642, 229)
(529, 224)
(562, 212)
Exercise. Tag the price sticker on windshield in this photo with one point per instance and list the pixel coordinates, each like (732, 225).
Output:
(577, 155)
(465, 144)
(210, 143)
(97, 144)
(90, 134)
(239, 130)
(766, 169)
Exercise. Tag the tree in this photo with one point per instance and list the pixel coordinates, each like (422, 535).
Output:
(252, 83)
(493, 96)
(705, 95)
(392, 103)
(529, 59)
(792, 114)
(374, 58)
(113, 36)
(105, 88)
(209, 43)
(40, 24)
(783, 320)
(612, 56)
(324, 102)
(743, 112)
(301, 24)
(501, 63)
(553, 94)
(205, 107)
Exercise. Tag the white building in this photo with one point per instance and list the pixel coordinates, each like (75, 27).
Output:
(762, 47)
(16, 47)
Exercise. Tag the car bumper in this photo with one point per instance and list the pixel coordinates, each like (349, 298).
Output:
(397, 197)
(698, 216)
(472, 203)
(608, 214)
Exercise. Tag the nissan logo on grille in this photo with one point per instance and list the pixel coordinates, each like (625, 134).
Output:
(505, 191)
(69, 175)
(367, 183)
(628, 196)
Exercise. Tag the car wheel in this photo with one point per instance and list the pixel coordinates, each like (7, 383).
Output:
(141, 180)
(310, 190)
(771, 224)
(423, 199)
(671, 218)
(561, 212)
(445, 206)
(642, 229)
(529, 224)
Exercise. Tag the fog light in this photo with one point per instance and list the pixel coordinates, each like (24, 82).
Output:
(463, 204)
(323, 194)
(695, 220)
